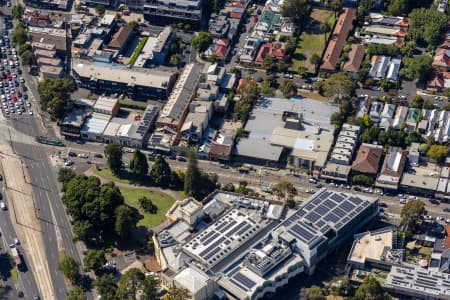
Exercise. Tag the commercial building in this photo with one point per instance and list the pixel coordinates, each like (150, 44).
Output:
(337, 41)
(134, 82)
(414, 281)
(245, 252)
(197, 120)
(393, 167)
(419, 184)
(51, 36)
(156, 49)
(48, 4)
(169, 11)
(177, 106)
(296, 126)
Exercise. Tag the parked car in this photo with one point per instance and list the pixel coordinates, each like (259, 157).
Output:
(83, 155)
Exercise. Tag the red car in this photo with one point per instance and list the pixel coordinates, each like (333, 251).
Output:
(19, 94)
(9, 77)
(14, 98)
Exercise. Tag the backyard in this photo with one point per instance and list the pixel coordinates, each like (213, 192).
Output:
(312, 40)
(162, 201)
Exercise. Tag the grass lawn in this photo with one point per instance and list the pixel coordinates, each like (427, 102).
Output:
(311, 95)
(162, 201)
(425, 251)
(107, 174)
(312, 40)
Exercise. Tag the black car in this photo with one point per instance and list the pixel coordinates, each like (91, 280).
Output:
(446, 209)
(98, 155)
(72, 154)
(25, 96)
(19, 71)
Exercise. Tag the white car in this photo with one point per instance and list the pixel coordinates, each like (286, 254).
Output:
(30, 113)
(68, 163)
(3, 205)
(83, 155)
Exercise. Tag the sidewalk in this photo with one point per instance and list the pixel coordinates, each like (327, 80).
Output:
(172, 193)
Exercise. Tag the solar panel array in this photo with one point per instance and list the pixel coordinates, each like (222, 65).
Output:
(222, 237)
(150, 114)
(326, 209)
(419, 280)
(242, 281)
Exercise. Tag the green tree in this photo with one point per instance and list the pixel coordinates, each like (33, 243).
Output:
(418, 67)
(229, 187)
(438, 153)
(113, 154)
(147, 205)
(371, 289)
(285, 190)
(65, 175)
(242, 188)
(176, 59)
(201, 41)
(336, 5)
(100, 10)
(94, 260)
(426, 25)
(139, 164)
(22, 48)
(297, 10)
(160, 172)
(69, 267)
(76, 293)
(27, 58)
(150, 288)
(324, 28)
(269, 63)
(17, 11)
(315, 293)
(266, 90)
(408, 49)
(417, 102)
(19, 35)
(316, 60)
(176, 293)
(193, 173)
(362, 180)
(338, 85)
(288, 88)
(398, 8)
(411, 214)
(337, 119)
(130, 284)
(54, 94)
(125, 221)
(106, 287)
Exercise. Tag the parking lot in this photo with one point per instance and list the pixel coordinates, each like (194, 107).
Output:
(13, 94)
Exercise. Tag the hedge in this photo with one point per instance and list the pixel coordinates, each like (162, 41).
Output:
(138, 50)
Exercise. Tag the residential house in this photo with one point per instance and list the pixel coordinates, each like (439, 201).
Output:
(219, 48)
(442, 58)
(167, 12)
(274, 50)
(392, 170)
(412, 118)
(355, 58)
(121, 38)
(393, 69)
(378, 66)
(367, 161)
(400, 116)
(387, 116)
(197, 120)
(414, 155)
(156, 49)
(338, 39)
(375, 112)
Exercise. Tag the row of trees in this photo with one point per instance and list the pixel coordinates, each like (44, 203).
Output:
(197, 183)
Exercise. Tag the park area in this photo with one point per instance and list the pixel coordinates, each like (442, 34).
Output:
(161, 200)
(312, 40)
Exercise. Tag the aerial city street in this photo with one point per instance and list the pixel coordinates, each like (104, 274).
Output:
(224, 149)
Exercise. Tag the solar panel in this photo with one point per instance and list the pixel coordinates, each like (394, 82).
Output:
(329, 204)
(302, 233)
(355, 200)
(215, 244)
(224, 229)
(321, 210)
(245, 280)
(240, 285)
(320, 223)
(312, 216)
(206, 236)
(232, 230)
(347, 206)
(339, 212)
(336, 197)
(212, 238)
(332, 218)
(244, 229)
(310, 206)
(211, 254)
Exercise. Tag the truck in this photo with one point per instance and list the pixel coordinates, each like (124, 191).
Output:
(15, 255)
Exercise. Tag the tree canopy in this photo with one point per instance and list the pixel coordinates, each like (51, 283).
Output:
(139, 164)
(54, 94)
(17, 11)
(285, 190)
(160, 172)
(338, 85)
(297, 10)
(371, 289)
(125, 221)
(113, 153)
(201, 41)
(438, 153)
(418, 67)
(288, 88)
(196, 183)
(427, 25)
(69, 267)
(92, 206)
(94, 260)
(315, 293)
(76, 293)
(19, 35)
(65, 175)
(411, 214)
(106, 286)
(134, 282)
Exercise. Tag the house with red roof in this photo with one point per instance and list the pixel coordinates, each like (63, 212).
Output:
(222, 48)
(274, 49)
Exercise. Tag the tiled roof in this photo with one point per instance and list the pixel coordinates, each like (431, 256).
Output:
(355, 58)
(120, 37)
(368, 160)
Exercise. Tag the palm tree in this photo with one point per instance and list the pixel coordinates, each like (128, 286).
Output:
(325, 28)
